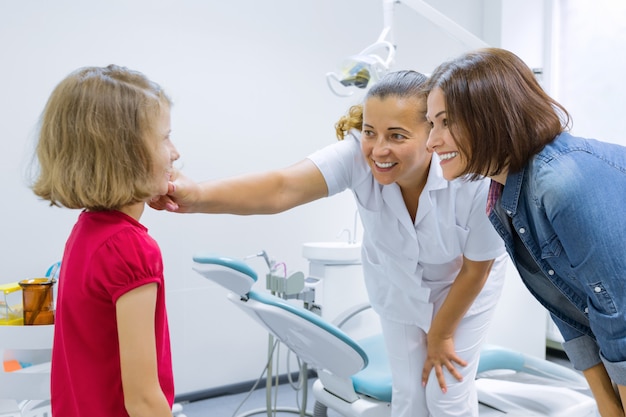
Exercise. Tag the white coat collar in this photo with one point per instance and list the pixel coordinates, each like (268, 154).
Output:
(393, 196)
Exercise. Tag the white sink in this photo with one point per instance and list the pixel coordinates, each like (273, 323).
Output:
(332, 252)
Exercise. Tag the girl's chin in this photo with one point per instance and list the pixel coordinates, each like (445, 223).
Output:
(161, 190)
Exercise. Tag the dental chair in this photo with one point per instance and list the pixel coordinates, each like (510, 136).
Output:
(353, 377)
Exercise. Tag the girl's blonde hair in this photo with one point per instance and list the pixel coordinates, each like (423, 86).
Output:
(93, 150)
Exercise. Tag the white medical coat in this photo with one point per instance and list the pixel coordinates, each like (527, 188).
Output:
(410, 266)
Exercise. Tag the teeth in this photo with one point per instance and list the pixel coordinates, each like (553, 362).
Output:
(384, 164)
(448, 155)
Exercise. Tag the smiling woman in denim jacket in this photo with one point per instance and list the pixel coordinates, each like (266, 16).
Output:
(557, 201)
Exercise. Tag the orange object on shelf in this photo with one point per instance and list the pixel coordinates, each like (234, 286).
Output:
(11, 365)
(37, 300)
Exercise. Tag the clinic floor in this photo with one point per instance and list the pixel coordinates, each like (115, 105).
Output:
(254, 403)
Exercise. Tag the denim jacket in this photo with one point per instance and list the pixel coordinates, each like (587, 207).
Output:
(568, 209)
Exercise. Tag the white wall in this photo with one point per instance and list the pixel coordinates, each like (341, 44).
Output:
(247, 78)
(589, 82)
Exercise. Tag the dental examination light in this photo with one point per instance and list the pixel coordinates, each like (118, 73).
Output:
(367, 67)
(363, 69)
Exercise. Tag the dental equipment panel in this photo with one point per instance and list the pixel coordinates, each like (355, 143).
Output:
(354, 378)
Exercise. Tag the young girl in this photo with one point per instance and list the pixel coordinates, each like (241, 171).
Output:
(104, 147)
(556, 199)
(428, 247)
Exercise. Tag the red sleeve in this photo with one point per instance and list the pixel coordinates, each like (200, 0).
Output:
(127, 260)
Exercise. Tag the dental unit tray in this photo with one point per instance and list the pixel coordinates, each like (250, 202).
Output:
(354, 377)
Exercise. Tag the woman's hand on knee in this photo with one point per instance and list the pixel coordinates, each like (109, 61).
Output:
(442, 356)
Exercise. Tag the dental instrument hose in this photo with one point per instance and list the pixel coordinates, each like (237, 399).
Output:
(268, 380)
(273, 349)
(269, 409)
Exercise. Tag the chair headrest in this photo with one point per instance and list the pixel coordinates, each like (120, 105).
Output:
(232, 274)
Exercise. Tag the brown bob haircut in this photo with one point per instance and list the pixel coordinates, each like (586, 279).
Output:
(93, 149)
(498, 114)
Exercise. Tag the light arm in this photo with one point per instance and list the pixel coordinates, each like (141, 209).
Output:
(466, 287)
(604, 392)
(135, 313)
(261, 193)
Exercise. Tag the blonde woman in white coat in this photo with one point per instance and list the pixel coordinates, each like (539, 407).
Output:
(433, 264)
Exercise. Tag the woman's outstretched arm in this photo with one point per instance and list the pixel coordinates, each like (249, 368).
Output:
(259, 193)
